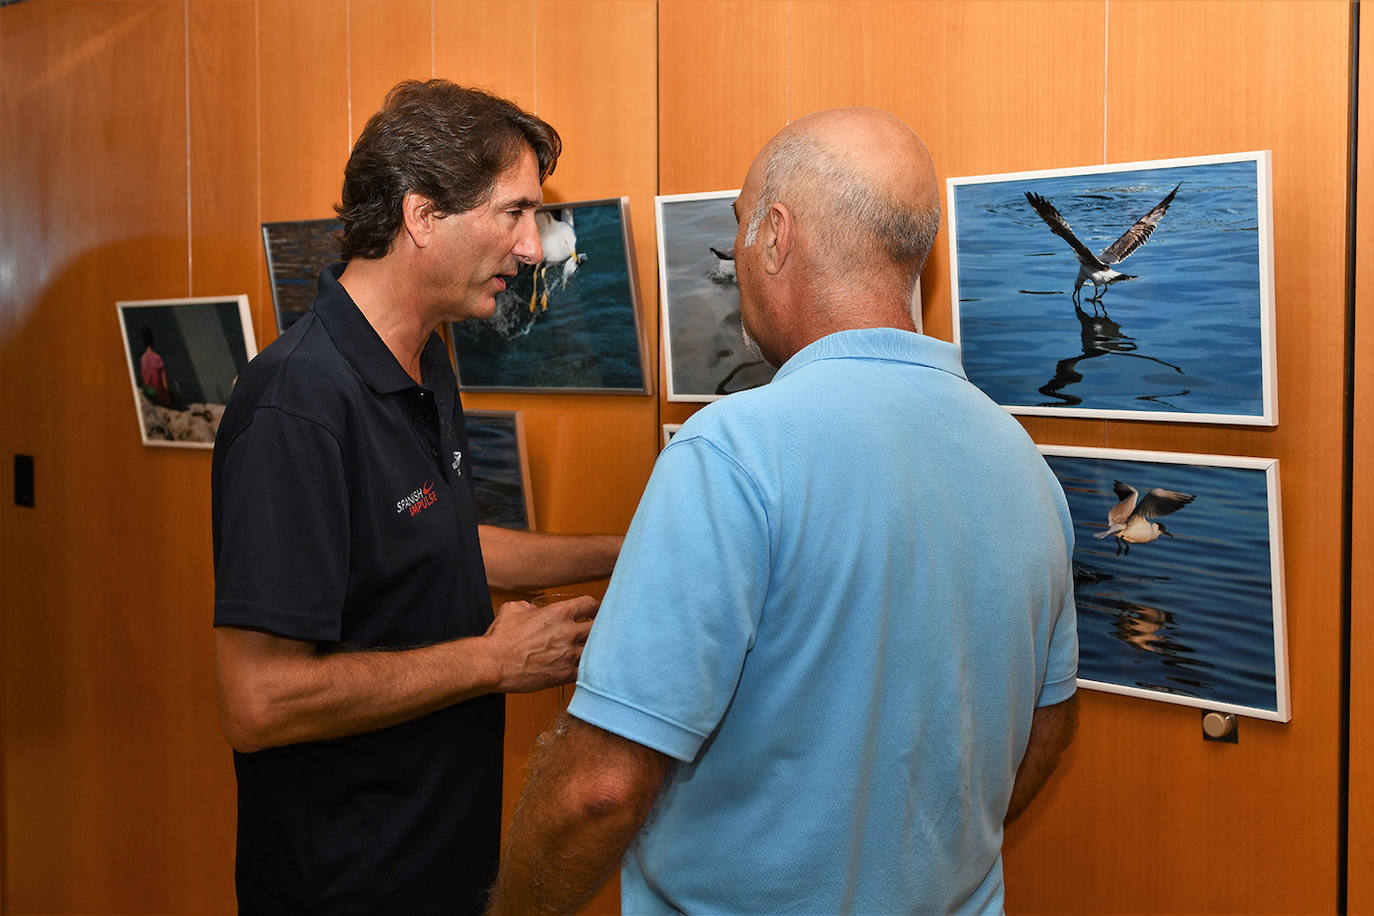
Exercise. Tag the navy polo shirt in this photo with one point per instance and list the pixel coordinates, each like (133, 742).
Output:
(343, 515)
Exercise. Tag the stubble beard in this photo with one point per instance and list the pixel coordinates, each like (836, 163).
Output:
(751, 346)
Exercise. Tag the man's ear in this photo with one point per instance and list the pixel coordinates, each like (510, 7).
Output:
(778, 235)
(418, 215)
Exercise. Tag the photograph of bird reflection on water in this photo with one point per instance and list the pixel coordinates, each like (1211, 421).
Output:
(1188, 608)
(1133, 289)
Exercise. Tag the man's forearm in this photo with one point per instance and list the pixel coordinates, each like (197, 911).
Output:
(528, 560)
(587, 796)
(275, 691)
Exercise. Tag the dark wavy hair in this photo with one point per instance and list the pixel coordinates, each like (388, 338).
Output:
(438, 139)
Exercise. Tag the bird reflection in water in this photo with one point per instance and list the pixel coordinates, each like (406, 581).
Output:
(1145, 628)
(1099, 336)
(1159, 634)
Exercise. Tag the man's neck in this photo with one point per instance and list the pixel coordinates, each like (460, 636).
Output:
(392, 307)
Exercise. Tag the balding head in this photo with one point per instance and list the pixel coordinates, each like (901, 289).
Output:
(861, 180)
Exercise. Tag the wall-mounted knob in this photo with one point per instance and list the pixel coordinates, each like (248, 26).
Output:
(1219, 726)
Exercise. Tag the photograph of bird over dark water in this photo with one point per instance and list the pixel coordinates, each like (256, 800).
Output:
(500, 472)
(1136, 292)
(297, 250)
(570, 322)
(1178, 577)
(703, 340)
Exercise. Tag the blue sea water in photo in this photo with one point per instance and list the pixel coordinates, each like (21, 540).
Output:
(704, 330)
(1184, 336)
(297, 251)
(584, 336)
(1190, 615)
(497, 481)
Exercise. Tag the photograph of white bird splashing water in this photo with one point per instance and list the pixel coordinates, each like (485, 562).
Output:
(569, 323)
(704, 349)
(1178, 577)
(1140, 291)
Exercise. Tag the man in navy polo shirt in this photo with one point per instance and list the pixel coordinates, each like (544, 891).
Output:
(838, 651)
(360, 666)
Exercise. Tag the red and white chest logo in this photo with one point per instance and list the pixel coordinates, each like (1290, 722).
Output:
(418, 501)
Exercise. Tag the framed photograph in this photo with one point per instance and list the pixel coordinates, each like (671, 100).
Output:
(500, 468)
(570, 323)
(1178, 576)
(704, 351)
(1139, 291)
(296, 253)
(670, 430)
(183, 357)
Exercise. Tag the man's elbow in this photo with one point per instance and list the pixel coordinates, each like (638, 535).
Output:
(250, 720)
(609, 797)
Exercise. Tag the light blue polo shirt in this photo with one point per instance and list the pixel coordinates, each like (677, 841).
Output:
(842, 596)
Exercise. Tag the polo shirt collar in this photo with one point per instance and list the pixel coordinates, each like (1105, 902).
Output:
(879, 343)
(363, 347)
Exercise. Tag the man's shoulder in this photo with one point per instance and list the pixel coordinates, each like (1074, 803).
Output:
(301, 373)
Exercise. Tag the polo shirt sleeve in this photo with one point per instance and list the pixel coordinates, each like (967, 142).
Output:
(682, 609)
(1061, 671)
(284, 543)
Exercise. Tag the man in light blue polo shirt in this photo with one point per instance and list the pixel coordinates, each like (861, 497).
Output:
(838, 651)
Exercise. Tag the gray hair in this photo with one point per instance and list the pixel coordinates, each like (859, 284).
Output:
(801, 166)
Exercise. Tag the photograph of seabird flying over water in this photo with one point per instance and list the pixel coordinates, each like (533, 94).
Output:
(569, 323)
(1191, 613)
(1134, 291)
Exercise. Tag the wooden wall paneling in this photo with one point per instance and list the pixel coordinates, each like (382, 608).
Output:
(389, 41)
(1141, 769)
(226, 242)
(227, 258)
(982, 103)
(489, 44)
(97, 184)
(722, 87)
(304, 134)
(9, 434)
(1361, 805)
(303, 106)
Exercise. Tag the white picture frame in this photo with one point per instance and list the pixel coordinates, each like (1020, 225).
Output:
(183, 357)
(1190, 337)
(1196, 618)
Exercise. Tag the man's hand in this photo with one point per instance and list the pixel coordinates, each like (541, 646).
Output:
(537, 647)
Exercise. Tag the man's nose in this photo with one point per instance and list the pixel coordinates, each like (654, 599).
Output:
(528, 247)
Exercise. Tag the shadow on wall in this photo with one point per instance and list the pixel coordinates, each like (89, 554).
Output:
(111, 731)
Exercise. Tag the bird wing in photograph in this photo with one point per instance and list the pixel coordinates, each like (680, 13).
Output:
(1140, 233)
(1161, 502)
(1118, 515)
(1127, 495)
(1060, 227)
